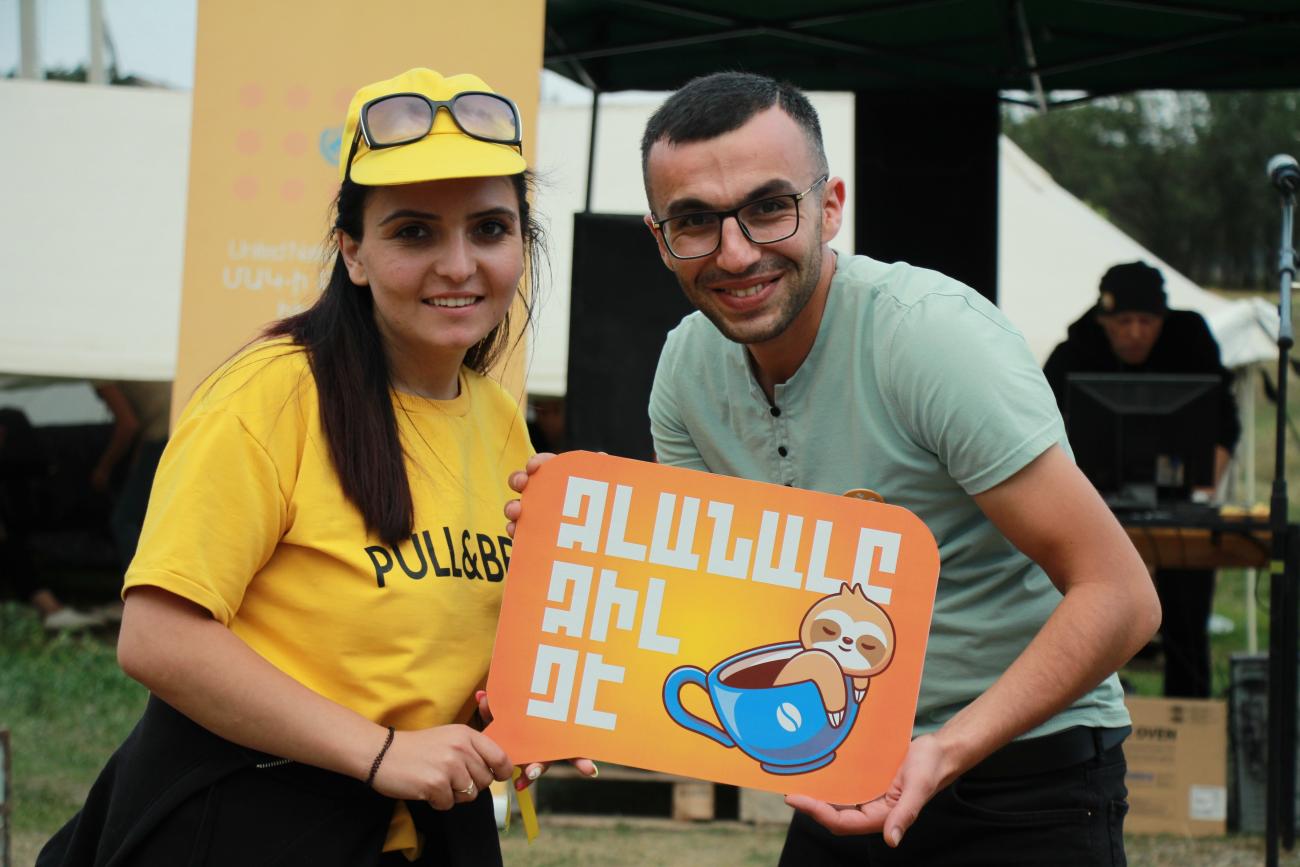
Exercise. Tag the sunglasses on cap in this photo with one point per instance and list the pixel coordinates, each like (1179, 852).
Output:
(401, 118)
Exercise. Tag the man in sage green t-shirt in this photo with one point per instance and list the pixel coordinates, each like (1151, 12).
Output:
(827, 372)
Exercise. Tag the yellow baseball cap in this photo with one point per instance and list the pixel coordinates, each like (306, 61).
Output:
(446, 151)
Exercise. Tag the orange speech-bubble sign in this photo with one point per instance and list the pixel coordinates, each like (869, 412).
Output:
(712, 627)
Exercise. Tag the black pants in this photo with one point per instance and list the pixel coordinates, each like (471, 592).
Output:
(177, 795)
(1186, 597)
(228, 824)
(1064, 817)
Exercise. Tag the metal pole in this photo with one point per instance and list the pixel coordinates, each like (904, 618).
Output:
(1286, 793)
(1031, 59)
(96, 73)
(6, 810)
(29, 50)
(1281, 673)
(591, 147)
(1248, 386)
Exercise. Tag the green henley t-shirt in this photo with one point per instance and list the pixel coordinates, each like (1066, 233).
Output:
(918, 388)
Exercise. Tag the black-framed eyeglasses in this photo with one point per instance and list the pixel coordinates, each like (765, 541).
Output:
(401, 118)
(764, 221)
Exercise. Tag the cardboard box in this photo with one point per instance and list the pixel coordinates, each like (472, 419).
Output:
(1177, 767)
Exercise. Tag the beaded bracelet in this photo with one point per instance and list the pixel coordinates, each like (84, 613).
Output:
(374, 766)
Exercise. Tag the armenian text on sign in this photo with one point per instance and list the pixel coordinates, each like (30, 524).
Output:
(713, 627)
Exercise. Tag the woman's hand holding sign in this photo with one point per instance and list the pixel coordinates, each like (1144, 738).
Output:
(451, 764)
(519, 481)
(444, 765)
(533, 771)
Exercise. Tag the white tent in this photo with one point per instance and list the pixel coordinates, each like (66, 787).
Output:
(1053, 250)
(94, 231)
(95, 249)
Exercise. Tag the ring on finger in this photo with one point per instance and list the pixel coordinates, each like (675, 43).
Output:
(468, 791)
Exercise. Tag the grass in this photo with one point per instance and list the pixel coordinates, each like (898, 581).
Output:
(634, 843)
(650, 844)
(68, 705)
(1144, 673)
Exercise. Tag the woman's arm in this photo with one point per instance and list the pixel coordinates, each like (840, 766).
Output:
(208, 673)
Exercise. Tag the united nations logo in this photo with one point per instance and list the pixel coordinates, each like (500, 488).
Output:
(329, 143)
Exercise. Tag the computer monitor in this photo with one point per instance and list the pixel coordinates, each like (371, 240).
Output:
(1144, 438)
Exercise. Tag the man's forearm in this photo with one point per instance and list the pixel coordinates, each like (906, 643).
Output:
(1108, 611)
(1091, 634)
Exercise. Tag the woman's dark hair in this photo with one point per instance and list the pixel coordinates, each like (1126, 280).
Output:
(352, 374)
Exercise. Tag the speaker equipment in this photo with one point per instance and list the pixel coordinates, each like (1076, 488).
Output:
(623, 303)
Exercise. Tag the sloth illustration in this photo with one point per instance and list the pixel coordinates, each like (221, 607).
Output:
(842, 634)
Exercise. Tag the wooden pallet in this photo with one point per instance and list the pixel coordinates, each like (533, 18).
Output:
(693, 800)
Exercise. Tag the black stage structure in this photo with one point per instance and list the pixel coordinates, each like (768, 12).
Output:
(928, 77)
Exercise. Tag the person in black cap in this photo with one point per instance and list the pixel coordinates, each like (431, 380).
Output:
(1132, 330)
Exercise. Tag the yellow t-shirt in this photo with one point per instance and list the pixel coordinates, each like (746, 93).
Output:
(247, 519)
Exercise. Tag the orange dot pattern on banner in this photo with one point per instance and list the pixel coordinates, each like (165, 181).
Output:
(291, 190)
(251, 95)
(296, 143)
(245, 187)
(248, 142)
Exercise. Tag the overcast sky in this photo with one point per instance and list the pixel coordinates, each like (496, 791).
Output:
(154, 40)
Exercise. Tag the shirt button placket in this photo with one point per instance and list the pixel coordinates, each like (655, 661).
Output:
(780, 435)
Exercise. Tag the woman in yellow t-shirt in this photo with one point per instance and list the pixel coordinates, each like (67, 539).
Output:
(315, 594)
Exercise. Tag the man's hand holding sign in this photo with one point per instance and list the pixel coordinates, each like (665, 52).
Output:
(713, 627)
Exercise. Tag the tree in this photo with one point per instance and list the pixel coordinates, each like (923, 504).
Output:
(1182, 173)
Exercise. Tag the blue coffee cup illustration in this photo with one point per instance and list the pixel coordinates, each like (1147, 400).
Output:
(784, 728)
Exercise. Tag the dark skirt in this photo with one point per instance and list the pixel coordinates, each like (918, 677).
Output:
(175, 794)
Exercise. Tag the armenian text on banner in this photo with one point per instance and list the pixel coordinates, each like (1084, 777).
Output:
(712, 627)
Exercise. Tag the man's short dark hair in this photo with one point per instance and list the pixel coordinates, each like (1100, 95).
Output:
(713, 105)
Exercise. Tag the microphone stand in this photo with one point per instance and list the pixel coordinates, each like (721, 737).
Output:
(1280, 810)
